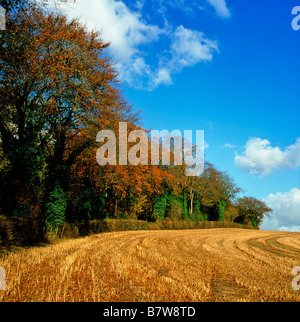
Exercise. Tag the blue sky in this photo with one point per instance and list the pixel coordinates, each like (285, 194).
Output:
(228, 67)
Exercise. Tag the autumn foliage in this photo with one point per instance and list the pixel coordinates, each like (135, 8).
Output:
(58, 89)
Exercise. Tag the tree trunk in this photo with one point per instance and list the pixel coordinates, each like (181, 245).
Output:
(116, 208)
(191, 200)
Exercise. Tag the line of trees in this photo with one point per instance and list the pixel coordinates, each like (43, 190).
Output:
(58, 89)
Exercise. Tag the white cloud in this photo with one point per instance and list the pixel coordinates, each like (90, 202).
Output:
(188, 48)
(220, 7)
(128, 32)
(286, 213)
(261, 158)
(190, 6)
(229, 146)
(123, 28)
(140, 4)
(163, 77)
(135, 72)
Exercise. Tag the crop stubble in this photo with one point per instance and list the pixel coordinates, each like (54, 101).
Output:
(184, 265)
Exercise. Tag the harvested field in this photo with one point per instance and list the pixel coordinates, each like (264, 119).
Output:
(184, 265)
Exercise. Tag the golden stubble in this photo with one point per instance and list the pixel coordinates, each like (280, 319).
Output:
(183, 265)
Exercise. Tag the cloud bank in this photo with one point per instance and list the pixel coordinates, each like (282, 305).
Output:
(260, 158)
(286, 215)
(148, 53)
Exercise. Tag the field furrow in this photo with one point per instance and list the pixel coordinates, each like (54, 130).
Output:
(181, 265)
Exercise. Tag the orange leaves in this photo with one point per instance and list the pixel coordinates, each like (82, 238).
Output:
(125, 181)
(56, 76)
(62, 64)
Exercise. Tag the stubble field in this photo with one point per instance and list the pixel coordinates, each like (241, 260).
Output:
(185, 265)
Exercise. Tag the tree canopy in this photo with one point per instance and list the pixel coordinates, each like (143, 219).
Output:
(58, 89)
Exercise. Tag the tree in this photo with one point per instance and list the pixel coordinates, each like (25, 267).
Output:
(9, 5)
(184, 207)
(13, 4)
(56, 84)
(198, 215)
(219, 189)
(221, 209)
(159, 207)
(130, 189)
(251, 210)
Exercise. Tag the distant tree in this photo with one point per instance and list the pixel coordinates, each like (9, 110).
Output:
(231, 212)
(218, 189)
(251, 210)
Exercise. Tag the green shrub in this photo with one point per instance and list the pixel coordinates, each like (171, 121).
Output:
(221, 210)
(114, 225)
(56, 209)
(184, 208)
(159, 207)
